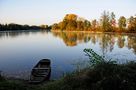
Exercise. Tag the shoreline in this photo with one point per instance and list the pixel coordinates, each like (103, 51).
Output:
(75, 31)
(87, 78)
(95, 32)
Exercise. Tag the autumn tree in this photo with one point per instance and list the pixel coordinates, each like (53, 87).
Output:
(132, 24)
(72, 25)
(122, 23)
(105, 22)
(86, 25)
(83, 24)
(62, 25)
(70, 17)
(94, 24)
(44, 26)
(80, 25)
(113, 21)
(55, 26)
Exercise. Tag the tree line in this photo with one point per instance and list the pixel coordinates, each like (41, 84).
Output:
(13, 26)
(106, 23)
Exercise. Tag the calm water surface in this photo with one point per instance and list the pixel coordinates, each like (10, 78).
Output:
(21, 50)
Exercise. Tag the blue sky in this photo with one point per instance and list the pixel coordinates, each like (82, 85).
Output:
(36, 12)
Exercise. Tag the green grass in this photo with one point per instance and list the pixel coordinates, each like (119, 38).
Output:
(104, 76)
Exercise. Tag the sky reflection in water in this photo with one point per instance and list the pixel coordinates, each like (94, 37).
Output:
(21, 50)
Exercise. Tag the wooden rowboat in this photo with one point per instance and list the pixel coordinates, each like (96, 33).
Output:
(41, 71)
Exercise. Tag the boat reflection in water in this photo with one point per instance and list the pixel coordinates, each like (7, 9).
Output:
(41, 72)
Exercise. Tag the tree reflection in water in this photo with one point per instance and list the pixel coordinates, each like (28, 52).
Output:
(106, 41)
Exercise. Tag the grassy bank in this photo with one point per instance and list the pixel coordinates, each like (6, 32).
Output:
(101, 75)
(104, 76)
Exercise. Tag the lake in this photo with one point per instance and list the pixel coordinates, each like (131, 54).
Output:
(21, 50)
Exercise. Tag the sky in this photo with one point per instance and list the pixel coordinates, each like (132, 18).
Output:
(37, 12)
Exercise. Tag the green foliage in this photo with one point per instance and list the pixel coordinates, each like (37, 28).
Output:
(105, 21)
(96, 59)
(104, 76)
(13, 26)
(108, 22)
(1, 77)
(93, 57)
(86, 25)
(44, 26)
(94, 25)
(11, 86)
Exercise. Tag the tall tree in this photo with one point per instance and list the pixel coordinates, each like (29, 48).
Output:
(72, 25)
(80, 25)
(87, 24)
(105, 22)
(132, 24)
(70, 17)
(62, 25)
(113, 21)
(94, 24)
(55, 26)
(122, 23)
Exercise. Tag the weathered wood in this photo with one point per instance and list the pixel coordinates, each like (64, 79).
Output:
(41, 71)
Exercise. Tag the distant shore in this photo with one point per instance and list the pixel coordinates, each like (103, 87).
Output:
(93, 32)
